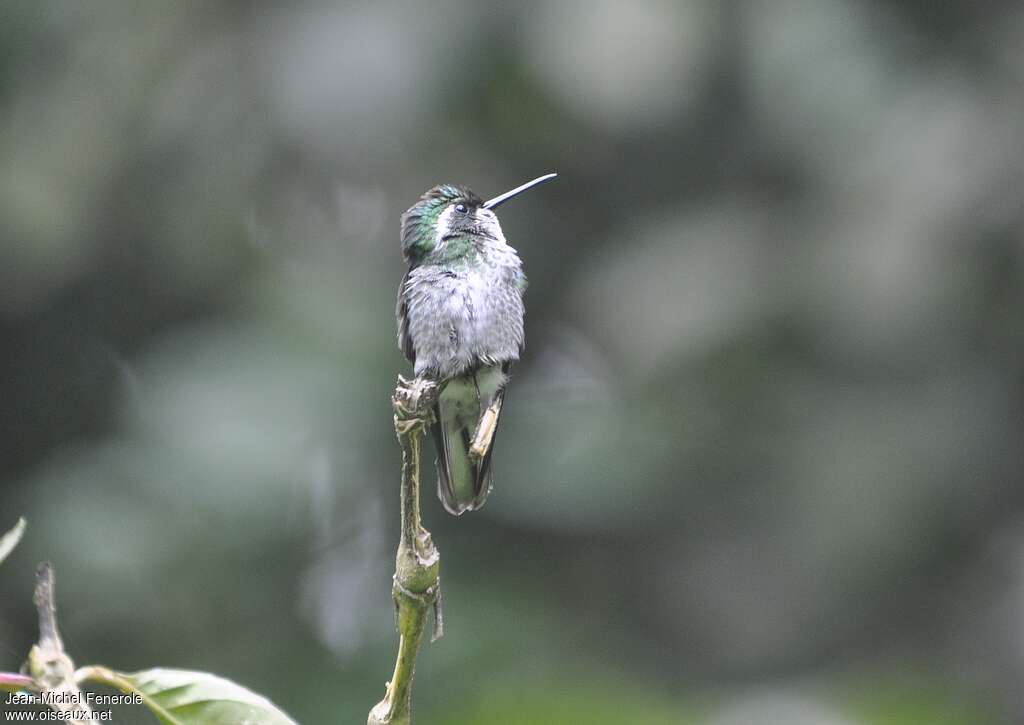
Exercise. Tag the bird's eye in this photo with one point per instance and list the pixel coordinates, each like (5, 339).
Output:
(460, 208)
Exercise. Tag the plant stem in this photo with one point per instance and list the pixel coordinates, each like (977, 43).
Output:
(49, 666)
(15, 681)
(416, 586)
(106, 676)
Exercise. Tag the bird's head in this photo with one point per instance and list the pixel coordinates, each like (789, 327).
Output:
(450, 211)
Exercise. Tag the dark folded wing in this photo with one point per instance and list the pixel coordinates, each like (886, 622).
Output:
(402, 314)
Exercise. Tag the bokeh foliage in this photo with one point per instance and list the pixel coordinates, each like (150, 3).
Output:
(762, 458)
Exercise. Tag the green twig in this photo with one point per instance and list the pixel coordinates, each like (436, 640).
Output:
(416, 586)
(106, 676)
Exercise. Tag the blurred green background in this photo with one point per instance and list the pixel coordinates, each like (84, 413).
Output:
(761, 462)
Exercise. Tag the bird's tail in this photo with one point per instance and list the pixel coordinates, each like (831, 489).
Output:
(466, 422)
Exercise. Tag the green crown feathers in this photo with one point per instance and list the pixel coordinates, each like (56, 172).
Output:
(419, 222)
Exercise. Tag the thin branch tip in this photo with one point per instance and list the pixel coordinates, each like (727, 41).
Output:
(416, 586)
(46, 607)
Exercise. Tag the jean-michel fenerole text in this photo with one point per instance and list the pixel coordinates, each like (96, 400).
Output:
(86, 698)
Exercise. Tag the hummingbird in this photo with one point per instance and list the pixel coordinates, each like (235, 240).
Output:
(460, 322)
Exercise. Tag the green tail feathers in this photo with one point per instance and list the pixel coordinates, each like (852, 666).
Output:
(466, 416)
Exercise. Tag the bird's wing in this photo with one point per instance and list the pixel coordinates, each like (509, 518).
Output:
(521, 285)
(402, 314)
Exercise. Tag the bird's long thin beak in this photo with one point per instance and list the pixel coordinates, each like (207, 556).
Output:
(502, 198)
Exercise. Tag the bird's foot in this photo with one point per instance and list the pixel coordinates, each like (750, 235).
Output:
(413, 402)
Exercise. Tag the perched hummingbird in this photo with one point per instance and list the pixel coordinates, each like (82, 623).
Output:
(460, 321)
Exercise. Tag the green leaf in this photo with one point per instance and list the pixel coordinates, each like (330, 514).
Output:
(9, 540)
(183, 697)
